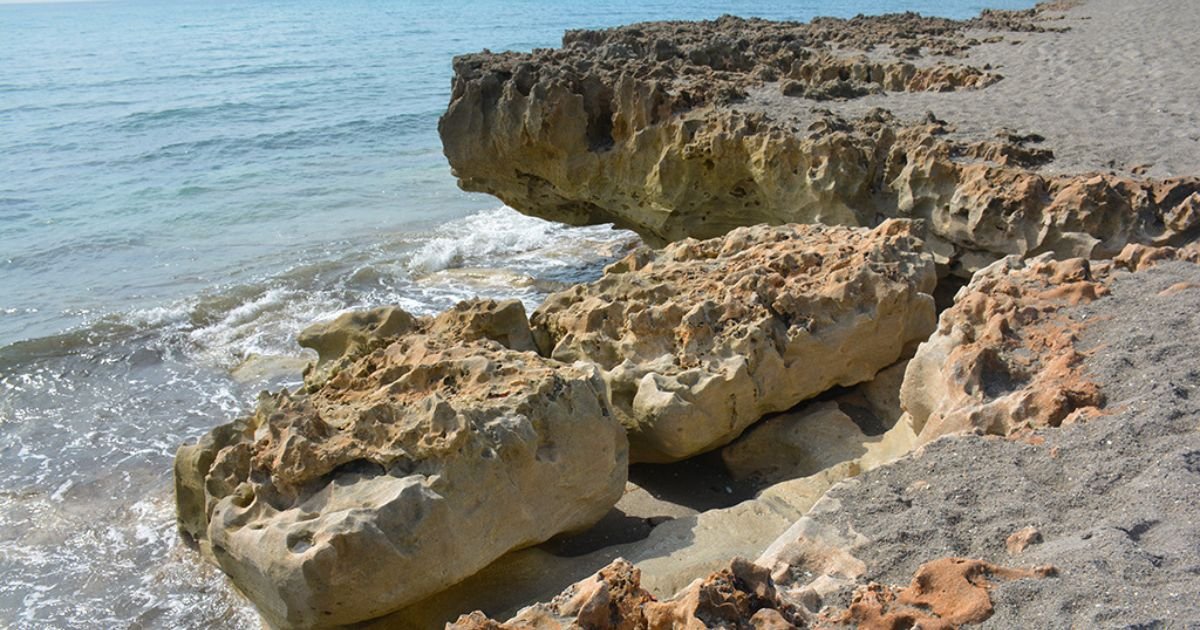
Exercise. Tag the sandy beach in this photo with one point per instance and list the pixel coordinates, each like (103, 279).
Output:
(1114, 92)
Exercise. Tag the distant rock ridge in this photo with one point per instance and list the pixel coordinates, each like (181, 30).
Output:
(644, 127)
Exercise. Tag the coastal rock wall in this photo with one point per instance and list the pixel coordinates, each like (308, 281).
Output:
(411, 467)
(650, 128)
(701, 339)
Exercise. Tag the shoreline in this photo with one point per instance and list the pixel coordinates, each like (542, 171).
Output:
(822, 344)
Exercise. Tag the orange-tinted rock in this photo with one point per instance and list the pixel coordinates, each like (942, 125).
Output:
(1022, 539)
(740, 596)
(945, 594)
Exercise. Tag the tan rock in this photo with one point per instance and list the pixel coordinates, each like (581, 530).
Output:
(672, 555)
(1022, 539)
(738, 596)
(410, 468)
(351, 335)
(659, 128)
(701, 339)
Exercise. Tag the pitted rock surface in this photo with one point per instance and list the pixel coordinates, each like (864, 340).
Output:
(408, 469)
(647, 127)
(701, 339)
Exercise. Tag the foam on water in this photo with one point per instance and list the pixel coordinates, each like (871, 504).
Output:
(91, 418)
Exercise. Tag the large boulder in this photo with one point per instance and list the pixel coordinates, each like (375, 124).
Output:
(404, 471)
(701, 339)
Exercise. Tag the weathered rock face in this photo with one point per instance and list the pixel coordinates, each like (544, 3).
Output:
(1005, 359)
(701, 339)
(1002, 359)
(647, 127)
(410, 467)
(343, 340)
(739, 596)
(944, 594)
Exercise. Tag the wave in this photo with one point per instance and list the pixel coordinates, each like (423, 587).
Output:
(504, 233)
(226, 147)
(496, 253)
(225, 112)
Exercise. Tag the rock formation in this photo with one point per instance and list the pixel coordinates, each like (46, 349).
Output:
(657, 128)
(945, 594)
(977, 495)
(1005, 358)
(425, 461)
(701, 339)
(738, 596)
(412, 466)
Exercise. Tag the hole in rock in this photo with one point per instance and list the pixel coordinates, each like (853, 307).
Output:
(943, 295)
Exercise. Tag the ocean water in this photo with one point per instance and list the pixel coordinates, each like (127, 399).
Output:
(186, 185)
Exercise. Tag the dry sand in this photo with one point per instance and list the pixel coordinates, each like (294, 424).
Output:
(1117, 499)
(1120, 89)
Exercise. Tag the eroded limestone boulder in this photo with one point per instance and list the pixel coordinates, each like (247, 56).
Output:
(343, 340)
(701, 339)
(409, 468)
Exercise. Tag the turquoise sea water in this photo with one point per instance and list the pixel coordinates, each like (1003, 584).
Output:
(185, 185)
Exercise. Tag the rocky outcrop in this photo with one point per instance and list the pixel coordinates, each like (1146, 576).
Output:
(736, 597)
(1054, 328)
(676, 551)
(701, 339)
(657, 128)
(343, 340)
(1003, 358)
(410, 465)
(1006, 358)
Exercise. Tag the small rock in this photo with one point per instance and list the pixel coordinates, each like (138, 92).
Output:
(1022, 539)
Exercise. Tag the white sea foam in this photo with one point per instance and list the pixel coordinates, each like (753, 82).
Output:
(488, 237)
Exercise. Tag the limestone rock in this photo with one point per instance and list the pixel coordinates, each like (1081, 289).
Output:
(670, 558)
(659, 128)
(408, 469)
(738, 596)
(1003, 359)
(701, 339)
(351, 335)
(944, 594)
